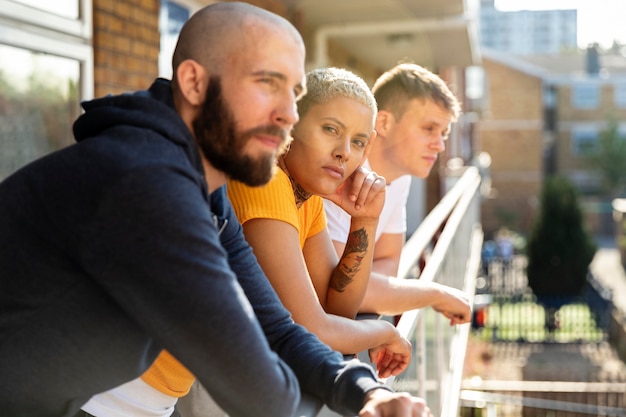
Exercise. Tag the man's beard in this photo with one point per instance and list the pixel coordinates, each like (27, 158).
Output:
(222, 145)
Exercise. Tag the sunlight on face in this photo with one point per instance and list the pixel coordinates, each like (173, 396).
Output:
(250, 108)
(418, 137)
(329, 144)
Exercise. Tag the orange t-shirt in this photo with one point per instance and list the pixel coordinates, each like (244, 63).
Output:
(169, 376)
(275, 200)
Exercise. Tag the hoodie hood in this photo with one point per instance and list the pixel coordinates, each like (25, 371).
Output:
(147, 109)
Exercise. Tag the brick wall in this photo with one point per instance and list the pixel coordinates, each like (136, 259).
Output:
(126, 42)
(570, 115)
(126, 45)
(598, 218)
(511, 131)
(605, 107)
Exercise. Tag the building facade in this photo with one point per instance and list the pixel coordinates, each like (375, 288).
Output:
(587, 101)
(527, 32)
(543, 115)
(511, 132)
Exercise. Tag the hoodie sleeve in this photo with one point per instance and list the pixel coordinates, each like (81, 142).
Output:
(156, 251)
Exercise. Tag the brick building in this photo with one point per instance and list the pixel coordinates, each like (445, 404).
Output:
(511, 131)
(542, 113)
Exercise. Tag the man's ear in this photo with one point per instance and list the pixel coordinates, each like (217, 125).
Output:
(192, 81)
(384, 122)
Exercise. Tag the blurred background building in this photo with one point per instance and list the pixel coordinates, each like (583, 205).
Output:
(546, 104)
(527, 32)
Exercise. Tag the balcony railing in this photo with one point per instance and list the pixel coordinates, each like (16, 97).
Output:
(445, 249)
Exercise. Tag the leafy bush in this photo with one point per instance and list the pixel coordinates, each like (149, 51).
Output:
(559, 247)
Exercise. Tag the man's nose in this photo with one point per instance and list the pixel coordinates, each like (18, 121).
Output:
(440, 143)
(286, 115)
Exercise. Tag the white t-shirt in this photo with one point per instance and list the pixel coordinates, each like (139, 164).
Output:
(132, 399)
(392, 218)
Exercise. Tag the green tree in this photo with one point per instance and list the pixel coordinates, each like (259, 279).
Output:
(608, 158)
(559, 247)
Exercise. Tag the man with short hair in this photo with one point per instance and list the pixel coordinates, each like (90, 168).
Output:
(415, 111)
(125, 244)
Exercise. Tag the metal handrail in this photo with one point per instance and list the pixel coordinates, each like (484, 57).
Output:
(453, 235)
(445, 248)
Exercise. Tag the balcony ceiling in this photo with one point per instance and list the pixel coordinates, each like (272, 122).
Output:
(433, 33)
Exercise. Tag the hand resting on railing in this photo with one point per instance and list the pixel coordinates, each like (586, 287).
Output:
(392, 296)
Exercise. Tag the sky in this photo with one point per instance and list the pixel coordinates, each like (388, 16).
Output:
(599, 21)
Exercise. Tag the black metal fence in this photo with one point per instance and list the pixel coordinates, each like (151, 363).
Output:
(554, 355)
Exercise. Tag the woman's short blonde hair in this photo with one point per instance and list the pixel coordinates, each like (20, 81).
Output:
(324, 84)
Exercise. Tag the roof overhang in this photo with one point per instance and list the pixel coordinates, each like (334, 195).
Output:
(432, 33)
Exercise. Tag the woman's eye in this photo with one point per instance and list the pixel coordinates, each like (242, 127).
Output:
(330, 129)
(359, 143)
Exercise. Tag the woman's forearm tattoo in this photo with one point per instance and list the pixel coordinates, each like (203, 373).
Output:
(350, 262)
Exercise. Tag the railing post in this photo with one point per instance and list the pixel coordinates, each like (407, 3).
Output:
(420, 357)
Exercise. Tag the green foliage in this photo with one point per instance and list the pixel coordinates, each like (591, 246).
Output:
(515, 320)
(559, 248)
(506, 217)
(608, 158)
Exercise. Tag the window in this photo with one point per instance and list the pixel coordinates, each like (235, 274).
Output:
(475, 82)
(173, 15)
(584, 140)
(64, 16)
(619, 92)
(45, 71)
(586, 95)
(66, 8)
(39, 104)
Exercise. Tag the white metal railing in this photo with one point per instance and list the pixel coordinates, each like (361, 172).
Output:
(447, 244)
(445, 248)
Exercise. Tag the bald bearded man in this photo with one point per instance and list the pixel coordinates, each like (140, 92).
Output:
(124, 244)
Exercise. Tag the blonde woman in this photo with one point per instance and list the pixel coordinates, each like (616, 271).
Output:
(285, 224)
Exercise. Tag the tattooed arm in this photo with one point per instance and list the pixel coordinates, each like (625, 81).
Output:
(340, 283)
(362, 196)
(275, 244)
